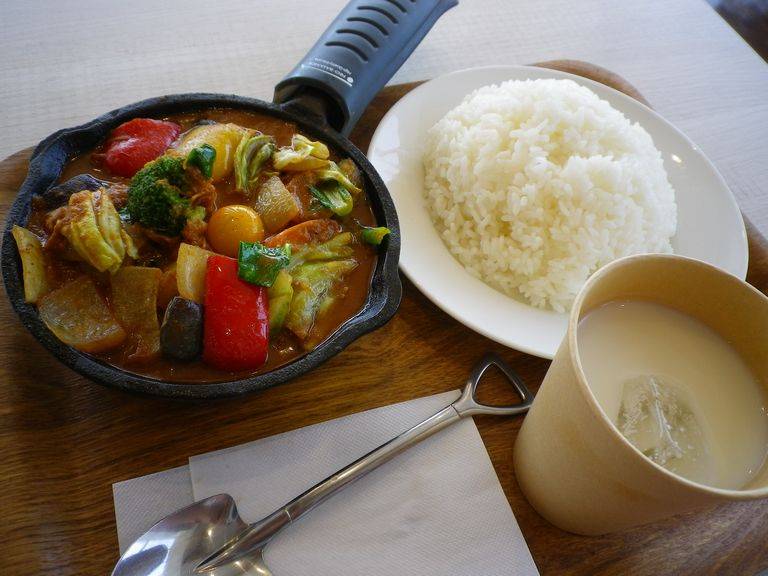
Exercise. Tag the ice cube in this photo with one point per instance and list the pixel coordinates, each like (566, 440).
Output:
(656, 418)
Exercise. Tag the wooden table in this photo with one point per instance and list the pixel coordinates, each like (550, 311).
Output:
(65, 440)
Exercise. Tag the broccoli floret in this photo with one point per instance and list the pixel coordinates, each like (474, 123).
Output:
(156, 196)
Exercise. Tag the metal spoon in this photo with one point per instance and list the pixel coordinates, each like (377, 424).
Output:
(210, 538)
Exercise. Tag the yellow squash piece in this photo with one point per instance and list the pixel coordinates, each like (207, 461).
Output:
(224, 138)
(134, 300)
(78, 315)
(190, 271)
(36, 283)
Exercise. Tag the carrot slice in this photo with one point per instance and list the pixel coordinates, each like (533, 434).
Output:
(309, 232)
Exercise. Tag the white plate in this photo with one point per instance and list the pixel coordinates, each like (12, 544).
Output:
(710, 226)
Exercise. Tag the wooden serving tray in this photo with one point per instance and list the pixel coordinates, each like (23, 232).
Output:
(65, 440)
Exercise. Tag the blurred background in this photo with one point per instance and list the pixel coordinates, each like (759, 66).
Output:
(64, 62)
(749, 18)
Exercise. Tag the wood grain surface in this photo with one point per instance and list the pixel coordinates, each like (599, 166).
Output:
(65, 440)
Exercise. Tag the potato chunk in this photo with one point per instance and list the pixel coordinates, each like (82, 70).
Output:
(190, 272)
(78, 315)
(134, 300)
(224, 138)
(32, 263)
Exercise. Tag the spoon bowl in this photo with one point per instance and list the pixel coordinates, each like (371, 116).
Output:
(179, 542)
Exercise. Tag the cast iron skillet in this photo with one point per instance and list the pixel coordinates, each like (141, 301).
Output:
(324, 95)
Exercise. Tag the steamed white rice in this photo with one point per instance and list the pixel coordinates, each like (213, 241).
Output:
(533, 185)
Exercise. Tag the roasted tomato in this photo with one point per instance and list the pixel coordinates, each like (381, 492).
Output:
(136, 142)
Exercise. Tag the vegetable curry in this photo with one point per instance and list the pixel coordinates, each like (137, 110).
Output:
(201, 247)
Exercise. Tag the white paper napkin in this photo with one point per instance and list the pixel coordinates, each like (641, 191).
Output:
(141, 502)
(437, 509)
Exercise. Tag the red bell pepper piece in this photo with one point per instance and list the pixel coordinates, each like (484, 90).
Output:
(236, 325)
(136, 142)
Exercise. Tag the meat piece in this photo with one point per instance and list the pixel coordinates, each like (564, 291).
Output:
(202, 191)
(309, 232)
(194, 233)
(118, 193)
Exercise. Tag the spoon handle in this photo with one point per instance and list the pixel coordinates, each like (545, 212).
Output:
(465, 405)
(258, 534)
(375, 458)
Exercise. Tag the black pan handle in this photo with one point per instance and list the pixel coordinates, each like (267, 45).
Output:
(356, 56)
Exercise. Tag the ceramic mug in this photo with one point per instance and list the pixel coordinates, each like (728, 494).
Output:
(571, 462)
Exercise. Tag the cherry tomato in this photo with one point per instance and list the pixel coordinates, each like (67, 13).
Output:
(136, 142)
(231, 225)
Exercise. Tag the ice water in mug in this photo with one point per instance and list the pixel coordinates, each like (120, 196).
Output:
(676, 390)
